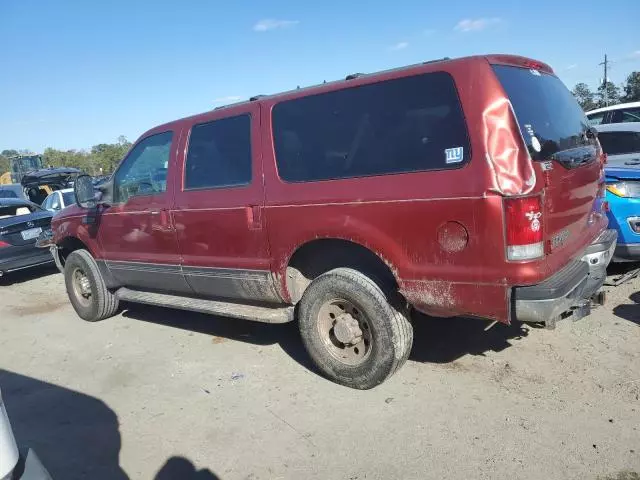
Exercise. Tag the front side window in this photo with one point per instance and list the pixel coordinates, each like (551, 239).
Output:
(630, 115)
(55, 201)
(68, 198)
(144, 171)
(619, 143)
(404, 125)
(219, 154)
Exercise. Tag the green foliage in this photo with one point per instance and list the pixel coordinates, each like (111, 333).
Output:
(632, 88)
(612, 97)
(584, 96)
(102, 159)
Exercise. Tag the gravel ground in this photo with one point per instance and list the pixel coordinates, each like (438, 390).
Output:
(161, 394)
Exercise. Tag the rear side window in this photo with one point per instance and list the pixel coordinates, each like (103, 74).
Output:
(626, 115)
(219, 154)
(404, 125)
(620, 143)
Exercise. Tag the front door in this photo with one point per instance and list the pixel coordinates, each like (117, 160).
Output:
(135, 232)
(218, 207)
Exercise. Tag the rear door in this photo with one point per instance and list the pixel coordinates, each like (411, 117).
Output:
(219, 205)
(565, 154)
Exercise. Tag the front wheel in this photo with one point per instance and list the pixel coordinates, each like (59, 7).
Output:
(353, 330)
(87, 291)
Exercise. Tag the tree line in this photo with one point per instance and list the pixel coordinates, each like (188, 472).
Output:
(608, 93)
(100, 159)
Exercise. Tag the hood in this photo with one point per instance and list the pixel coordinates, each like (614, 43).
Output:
(621, 173)
(48, 176)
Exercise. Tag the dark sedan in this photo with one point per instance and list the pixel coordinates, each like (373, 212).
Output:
(21, 222)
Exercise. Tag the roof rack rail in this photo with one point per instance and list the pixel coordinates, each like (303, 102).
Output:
(256, 97)
(443, 59)
(353, 76)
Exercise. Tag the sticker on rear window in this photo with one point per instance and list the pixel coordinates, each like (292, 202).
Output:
(535, 143)
(454, 155)
(534, 72)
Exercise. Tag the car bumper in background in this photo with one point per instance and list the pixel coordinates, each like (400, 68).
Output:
(30, 467)
(627, 252)
(571, 291)
(18, 258)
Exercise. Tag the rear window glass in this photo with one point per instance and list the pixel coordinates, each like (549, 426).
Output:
(546, 110)
(404, 125)
(7, 211)
(596, 118)
(219, 154)
(620, 143)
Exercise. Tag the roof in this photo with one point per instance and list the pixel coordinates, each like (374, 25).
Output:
(615, 107)
(359, 78)
(618, 127)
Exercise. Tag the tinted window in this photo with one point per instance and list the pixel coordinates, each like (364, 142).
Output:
(596, 118)
(618, 143)
(546, 109)
(68, 198)
(144, 171)
(219, 154)
(17, 210)
(404, 125)
(630, 115)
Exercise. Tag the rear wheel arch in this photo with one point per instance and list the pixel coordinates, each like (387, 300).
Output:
(316, 257)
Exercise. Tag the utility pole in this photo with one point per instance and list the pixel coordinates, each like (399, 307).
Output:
(605, 81)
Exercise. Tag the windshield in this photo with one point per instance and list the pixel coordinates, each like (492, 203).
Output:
(68, 198)
(549, 116)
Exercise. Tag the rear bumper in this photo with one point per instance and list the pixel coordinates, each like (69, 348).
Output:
(568, 292)
(19, 258)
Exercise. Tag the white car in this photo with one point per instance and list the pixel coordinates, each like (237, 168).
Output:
(621, 143)
(59, 199)
(16, 465)
(623, 112)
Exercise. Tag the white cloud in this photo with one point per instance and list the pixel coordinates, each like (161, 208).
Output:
(476, 24)
(229, 99)
(399, 46)
(572, 66)
(267, 24)
(635, 54)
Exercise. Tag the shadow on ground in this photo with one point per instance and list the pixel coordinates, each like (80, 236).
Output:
(630, 312)
(28, 274)
(75, 435)
(436, 340)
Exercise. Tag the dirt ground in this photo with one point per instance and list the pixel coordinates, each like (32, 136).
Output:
(162, 394)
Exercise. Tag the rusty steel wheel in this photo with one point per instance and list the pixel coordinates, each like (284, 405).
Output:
(81, 287)
(344, 331)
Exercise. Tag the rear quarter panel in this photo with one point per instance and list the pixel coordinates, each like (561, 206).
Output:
(398, 216)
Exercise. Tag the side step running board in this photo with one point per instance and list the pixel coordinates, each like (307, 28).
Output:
(225, 309)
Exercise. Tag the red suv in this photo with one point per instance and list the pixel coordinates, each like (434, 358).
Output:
(470, 187)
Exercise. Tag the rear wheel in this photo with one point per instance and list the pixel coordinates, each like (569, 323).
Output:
(354, 331)
(87, 291)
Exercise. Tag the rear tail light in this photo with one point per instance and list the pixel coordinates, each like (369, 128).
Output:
(3, 244)
(523, 216)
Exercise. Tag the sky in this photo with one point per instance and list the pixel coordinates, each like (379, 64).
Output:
(76, 73)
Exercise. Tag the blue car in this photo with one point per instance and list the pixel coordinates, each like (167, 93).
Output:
(623, 195)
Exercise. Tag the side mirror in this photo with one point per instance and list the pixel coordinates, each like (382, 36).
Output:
(84, 192)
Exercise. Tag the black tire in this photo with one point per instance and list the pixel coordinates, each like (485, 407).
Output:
(391, 332)
(99, 303)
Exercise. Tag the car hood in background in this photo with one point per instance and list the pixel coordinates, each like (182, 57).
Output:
(621, 173)
(48, 176)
